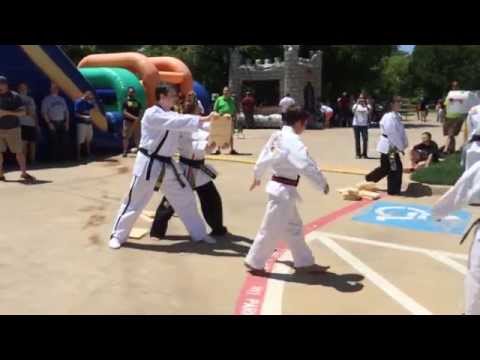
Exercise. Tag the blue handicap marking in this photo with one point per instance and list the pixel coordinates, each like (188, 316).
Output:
(413, 217)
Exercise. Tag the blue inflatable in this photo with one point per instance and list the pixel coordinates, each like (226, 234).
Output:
(204, 96)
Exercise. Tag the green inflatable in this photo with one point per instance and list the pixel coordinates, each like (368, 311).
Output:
(117, 79)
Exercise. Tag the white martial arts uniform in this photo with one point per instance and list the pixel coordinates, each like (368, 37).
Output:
(193, 146)
(466, 188)
(472, 148)
(160, 126)
(287, 156)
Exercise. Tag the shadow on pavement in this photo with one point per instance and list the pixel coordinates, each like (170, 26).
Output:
(342, 283)
(227, 246)
(417, 190)
(37, 182)
(420, 126)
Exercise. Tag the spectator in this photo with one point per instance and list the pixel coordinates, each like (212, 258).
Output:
(424, 109)
(248, 108)
(361, 111)
(192, 105)
(226, 105)
(327, 113)
(83, 108)
(441, 111)
(11, 109)
(423, 154)
(453, 122)
(284, 104)
(56, 115)
(29, 124)
(343, 105)
(131, 120)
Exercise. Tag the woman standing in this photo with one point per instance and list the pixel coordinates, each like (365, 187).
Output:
(361, 112)
(393, 141)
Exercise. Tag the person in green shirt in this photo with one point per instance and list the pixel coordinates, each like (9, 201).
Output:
(226, 105)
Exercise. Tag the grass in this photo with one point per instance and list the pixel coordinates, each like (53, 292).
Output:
(446, 172)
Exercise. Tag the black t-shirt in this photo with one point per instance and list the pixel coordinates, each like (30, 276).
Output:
(132, 106)
(426, 150)
(10, 101)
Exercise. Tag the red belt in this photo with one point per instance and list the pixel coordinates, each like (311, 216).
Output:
(286, 181)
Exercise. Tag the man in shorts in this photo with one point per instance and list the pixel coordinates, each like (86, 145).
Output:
(83, 108)
(131, 123)
(11, 108)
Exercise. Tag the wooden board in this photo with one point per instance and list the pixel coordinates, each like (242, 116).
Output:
(221, 130)
(138, 233)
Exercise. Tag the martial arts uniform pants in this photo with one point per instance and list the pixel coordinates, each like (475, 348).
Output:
(394, 178)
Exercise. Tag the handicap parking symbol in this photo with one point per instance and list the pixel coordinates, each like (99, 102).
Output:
(413, 217)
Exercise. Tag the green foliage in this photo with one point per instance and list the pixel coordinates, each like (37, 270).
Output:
(446, 172)
(433, 68)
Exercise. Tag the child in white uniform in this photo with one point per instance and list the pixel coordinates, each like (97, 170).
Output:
(286, 154)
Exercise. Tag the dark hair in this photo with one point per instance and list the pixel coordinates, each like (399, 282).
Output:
(287, 94)
(391, 101)
(428, 134)
(294, 114)
(163, 89)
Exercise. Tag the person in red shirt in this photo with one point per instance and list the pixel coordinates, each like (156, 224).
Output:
(248, 107)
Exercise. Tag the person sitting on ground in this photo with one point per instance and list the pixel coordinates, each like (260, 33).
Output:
(424, 154)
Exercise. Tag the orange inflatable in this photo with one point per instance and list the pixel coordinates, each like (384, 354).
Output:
(135, 62)
(172, 68)
(151, 71)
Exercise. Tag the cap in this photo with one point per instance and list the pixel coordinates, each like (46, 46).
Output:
(3, 79)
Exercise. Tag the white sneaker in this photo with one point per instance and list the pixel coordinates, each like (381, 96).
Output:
(209, 240)
(114, 243)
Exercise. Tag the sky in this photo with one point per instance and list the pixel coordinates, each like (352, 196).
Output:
(407, 48)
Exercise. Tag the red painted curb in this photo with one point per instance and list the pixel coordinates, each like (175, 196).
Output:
(252, 294)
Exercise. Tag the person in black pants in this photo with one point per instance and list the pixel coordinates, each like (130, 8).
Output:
(211, 204)
(393, 141)
(361, 112)
(192, 149)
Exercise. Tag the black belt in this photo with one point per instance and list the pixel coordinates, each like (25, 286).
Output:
(475, 223)
(475, 138)
(163, 159)
(385, 136)
(198, 164)
(286, 181)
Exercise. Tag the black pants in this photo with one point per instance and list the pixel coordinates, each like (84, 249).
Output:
(211, 204)
(394, 178)
(363, 131)
(249, 119)
(59, 142)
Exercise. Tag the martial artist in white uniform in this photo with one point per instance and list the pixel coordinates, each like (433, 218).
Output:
(393, 140)
(466, 188)
(161, 129)
(287, 156)
(472, 148)
(192, 150)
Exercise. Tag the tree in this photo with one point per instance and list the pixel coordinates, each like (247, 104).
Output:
(395, 71)
(433, 68)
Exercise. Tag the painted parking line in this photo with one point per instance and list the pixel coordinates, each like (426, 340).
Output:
(378, 280)
(396, 246)
(462, 269)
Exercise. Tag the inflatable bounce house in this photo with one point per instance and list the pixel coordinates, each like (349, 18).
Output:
(107, 75)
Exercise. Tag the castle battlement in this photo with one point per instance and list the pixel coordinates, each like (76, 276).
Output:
(293, 73)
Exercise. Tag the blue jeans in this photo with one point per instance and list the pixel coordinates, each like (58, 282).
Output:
(363, 132)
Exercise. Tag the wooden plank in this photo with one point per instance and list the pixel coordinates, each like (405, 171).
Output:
(221, 130)
(138, 233)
